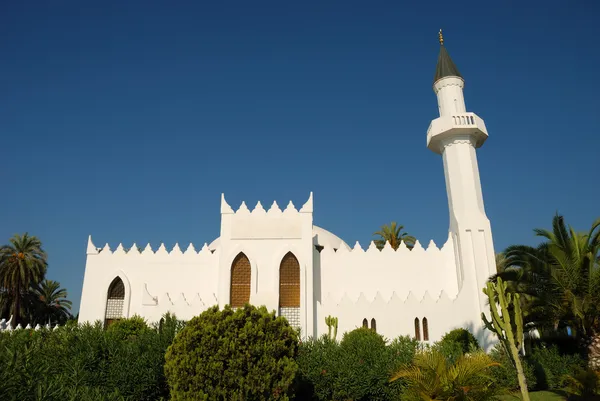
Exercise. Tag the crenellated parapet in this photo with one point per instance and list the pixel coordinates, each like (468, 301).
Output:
(390, 273)
(261, 223)
(135, 251)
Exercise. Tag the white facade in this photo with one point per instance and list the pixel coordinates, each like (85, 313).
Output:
(391, 288)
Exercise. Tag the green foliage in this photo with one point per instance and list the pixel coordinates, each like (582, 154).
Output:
(559, 280)
(463, 337)
(128, 328)
(505, 373)
(22, 263)
(365, 364)
(393, 234)
(583, 382)
(357, 368)
(82, 363)
(552, 368)
(451, 350)
(317, 368)
(241, 354)
(432, 377)
(49, 303)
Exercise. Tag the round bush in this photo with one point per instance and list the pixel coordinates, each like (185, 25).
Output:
(128, 328)
(463, 337)
(243, 354)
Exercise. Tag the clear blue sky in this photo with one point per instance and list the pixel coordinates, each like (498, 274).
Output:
(126, 120)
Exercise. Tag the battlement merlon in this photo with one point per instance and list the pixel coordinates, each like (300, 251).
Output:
(272, 224)
(259, 210)
(136, 251)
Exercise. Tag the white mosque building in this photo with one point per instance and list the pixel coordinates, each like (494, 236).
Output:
(280, 259)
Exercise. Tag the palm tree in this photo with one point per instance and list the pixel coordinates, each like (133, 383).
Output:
(560, 280)
(394, 235)
(431, 376)
(22, 264)
(51, 303)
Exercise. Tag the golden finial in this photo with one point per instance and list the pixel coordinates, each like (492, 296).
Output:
(441, 38)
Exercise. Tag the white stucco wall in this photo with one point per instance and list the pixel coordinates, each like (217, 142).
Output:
(393, 287)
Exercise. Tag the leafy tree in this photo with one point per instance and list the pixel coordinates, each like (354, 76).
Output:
(241, 354)
(431, 376)
(560, 282)
(462, 337)
(50, 303)
(394, 234)
(22, 264)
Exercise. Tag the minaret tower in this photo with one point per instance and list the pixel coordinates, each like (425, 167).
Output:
(456, 135)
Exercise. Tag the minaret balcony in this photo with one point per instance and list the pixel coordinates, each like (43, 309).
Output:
(456, 125)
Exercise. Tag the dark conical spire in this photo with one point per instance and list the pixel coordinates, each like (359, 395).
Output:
(445, 66)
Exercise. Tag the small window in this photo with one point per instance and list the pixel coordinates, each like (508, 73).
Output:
(374, 325)
(365, 323)
(417, 330)
(425, 329)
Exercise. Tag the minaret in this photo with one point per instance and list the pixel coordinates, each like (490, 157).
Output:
(456, 135)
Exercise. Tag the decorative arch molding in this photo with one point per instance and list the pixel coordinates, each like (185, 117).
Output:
(106, 285)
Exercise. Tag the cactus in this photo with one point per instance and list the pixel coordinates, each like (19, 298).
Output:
(332, 322)
(502, 326)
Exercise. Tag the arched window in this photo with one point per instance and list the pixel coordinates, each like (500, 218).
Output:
(240, 281)
(115, 300)
(417, 329)
(425, 330)
(289, 289)
(365, 323)
(374, 325)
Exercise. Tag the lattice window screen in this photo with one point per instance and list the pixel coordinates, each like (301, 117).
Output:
(425, 329)
(240, 281)
(289, 282)
(115, 300)
(292, 315)
(374, 325)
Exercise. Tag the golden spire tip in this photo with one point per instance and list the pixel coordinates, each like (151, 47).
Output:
(441, 38)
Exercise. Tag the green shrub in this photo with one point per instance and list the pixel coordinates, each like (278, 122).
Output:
(451, 350)
(128, 328)
(506, 374)
(84, 363)
(552, 368)
(317, 368)
(460, 336)
(431, 376)
(364, 364)
(229, 354)
(357, 368)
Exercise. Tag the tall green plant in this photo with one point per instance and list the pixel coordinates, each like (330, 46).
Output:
(332, 323)
(510, 337)
(22, 264)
